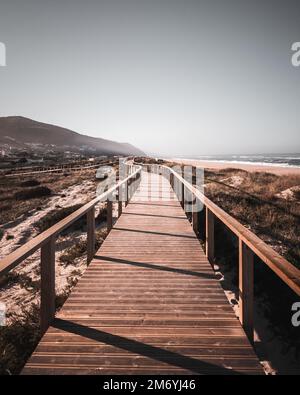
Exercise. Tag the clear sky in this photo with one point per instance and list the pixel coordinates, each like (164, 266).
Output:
(176, 77)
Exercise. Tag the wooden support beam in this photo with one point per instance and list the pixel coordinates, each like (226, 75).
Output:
(193, 175)
(120, 202)
(109, 214)
(246, 279)
(195, 217)
(172, 180)
(210, 235)
(127, 193)
(47, 311)
(91, 237)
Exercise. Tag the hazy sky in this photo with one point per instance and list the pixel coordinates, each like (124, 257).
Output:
(185, 77)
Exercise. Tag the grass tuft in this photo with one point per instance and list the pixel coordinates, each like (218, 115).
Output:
(32, 193)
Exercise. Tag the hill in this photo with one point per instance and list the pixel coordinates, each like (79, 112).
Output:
(25, 133)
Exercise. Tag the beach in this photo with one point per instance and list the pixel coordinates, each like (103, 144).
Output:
(275, 169)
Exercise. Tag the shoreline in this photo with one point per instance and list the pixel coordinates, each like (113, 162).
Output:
(215, 165)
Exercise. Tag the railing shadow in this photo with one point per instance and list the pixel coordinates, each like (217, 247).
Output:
(159, 354)
(155, 233)
(150, 203)
(157, 267)
(155, 215)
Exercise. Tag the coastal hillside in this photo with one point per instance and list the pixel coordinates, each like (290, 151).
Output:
(25, 133)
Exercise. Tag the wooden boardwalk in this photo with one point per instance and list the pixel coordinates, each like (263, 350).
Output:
(149, 303)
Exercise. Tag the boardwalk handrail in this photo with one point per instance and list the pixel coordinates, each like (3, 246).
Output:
(46, 242)
(249, 245)
(9, 173)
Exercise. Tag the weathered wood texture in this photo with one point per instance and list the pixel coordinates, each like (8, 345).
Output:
(149, 303)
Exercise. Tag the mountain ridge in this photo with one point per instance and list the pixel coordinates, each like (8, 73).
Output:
(22, 132)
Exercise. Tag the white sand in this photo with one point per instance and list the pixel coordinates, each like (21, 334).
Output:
(17, 298)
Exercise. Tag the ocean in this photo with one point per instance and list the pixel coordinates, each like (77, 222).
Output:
(283, 160)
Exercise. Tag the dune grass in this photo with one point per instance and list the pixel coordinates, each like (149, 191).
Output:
(254, 203)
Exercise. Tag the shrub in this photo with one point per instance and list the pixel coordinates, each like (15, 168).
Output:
(80, 248)
(30, 183)
(102, 215)
(21, 279)
(32, 193)
(297, 194)
(18, 340)
(55, 216)
(262, 178)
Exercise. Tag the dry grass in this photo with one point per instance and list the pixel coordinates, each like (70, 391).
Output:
(11, 208)
(18, 340)
(32, 193)
(80, 248)
(25, 281)
(55, 216)
(254, 204)
(277, 221)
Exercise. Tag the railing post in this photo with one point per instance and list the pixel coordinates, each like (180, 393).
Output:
(246, 288)
(172, 180)
(182, 196)
(91, 237)
(47, 311)
(160, 193)
(127, 193)
(210, 235)
(195, 215)
(109, 214)
(120, 203)
(194, 174)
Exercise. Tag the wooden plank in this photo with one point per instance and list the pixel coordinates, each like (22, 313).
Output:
(149, 302)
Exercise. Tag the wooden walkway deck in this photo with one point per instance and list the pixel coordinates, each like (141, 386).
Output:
(149, 303)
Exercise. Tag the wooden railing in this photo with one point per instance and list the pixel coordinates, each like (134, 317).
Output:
(249, 245)
(47, 239)
(75, 167)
